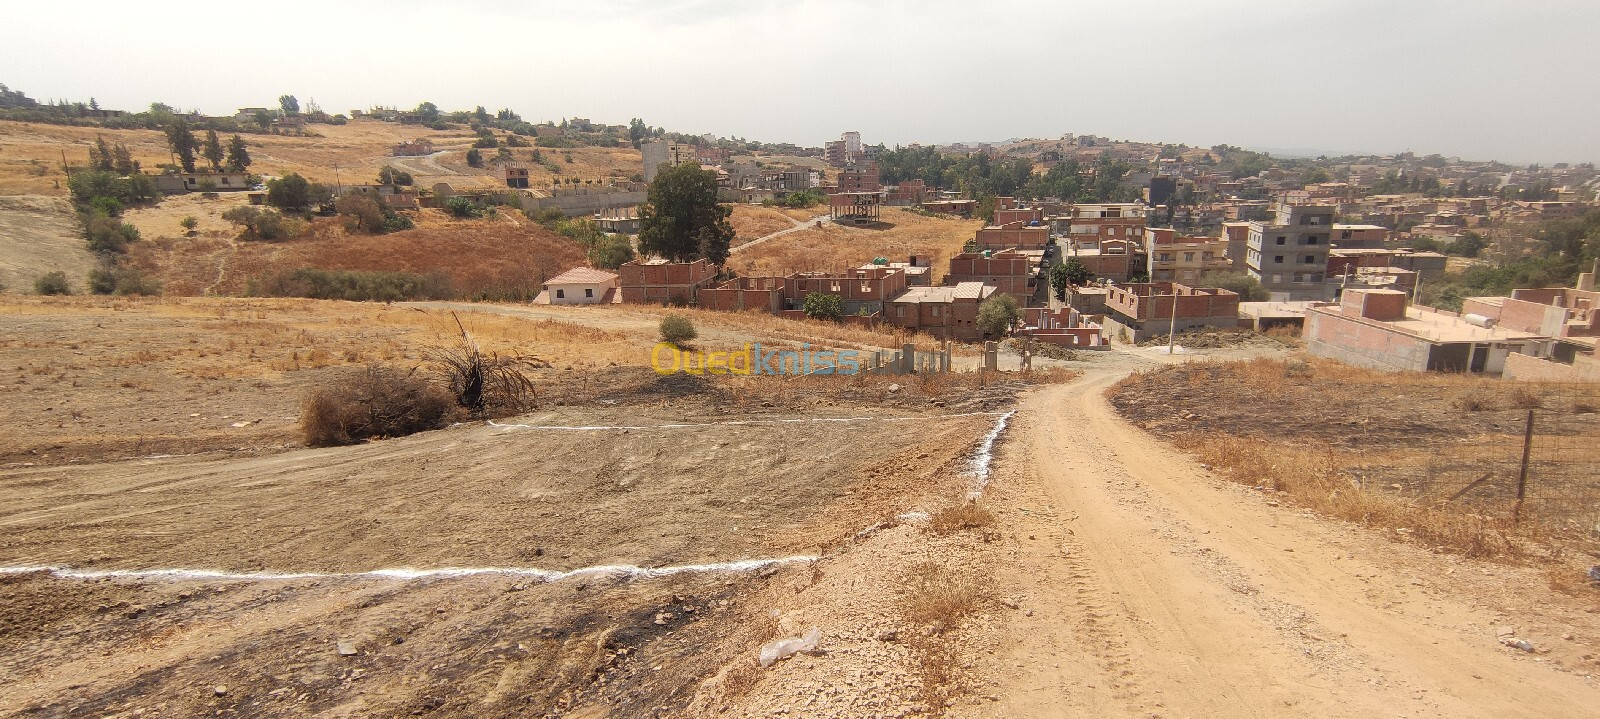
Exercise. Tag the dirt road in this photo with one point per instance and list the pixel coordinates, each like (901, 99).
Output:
(1152, 588)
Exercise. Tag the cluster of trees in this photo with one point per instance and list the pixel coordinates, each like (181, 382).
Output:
(604, 251)
(187, 148)
(1565, 248)
(981, 178)
(800, 200)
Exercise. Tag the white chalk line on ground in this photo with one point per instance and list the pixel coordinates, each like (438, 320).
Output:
(978, 467)
(733, 423)
(620, 571)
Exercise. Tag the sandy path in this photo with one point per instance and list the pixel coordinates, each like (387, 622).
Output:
(1157, 590)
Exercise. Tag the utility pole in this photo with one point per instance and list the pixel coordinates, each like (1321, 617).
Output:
(1172, 329)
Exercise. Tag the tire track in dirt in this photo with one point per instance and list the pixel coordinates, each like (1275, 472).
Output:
(1154, 589)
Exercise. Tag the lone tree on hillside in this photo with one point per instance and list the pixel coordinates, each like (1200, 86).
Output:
(289, 104)
(238, 155)
(681, 219)
(997, 315)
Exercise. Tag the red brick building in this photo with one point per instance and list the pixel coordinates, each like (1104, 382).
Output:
(1008, 271)
(658, 281)
(944, 312)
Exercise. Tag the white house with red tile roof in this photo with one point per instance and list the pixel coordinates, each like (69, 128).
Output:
(579, 286)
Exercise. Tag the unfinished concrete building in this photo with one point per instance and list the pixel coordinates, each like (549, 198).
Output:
(1380, 329)
(1289, 256)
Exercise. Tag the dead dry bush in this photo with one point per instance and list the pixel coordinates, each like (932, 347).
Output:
(937, 597)
(968, 515)
(380, 401)
(485, 385)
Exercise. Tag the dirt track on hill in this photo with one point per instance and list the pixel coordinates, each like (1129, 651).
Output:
(1152, 588)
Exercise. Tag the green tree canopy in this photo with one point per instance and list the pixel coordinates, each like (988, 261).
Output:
(998, 314)
(823, 306)
(238, 155)
(681, 219)
(213, 150)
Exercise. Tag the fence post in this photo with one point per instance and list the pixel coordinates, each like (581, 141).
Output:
(1522, 475)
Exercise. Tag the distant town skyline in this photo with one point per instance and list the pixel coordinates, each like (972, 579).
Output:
(1476, 79)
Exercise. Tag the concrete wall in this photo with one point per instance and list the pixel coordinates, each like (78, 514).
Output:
(1329, 334)
(584, 204)
(1527, 368)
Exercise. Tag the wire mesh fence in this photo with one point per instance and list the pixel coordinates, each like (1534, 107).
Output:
(1541, 464)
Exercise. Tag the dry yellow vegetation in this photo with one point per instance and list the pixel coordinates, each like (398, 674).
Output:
(31, 155)
(834, 247)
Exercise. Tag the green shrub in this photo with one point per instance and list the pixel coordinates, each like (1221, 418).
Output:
(109, 206)
(52, 283)
(821, 306)
(677, 329)
(462, 207)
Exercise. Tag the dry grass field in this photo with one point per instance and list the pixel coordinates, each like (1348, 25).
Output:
(506, 256)
(1366, 446)
(753, 221)
(31, 154)
(836, 247)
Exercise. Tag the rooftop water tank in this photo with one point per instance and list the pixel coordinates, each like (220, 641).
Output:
(1478, 320)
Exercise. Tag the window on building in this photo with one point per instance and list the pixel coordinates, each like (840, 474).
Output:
(1277, 259)
(1282, 239)
(1164, 257)
(1188, 257)
(1344, 235)
(1277, 279)
(1313, 240)
(588, 292)
(1308, 260)
(936, 309)
(561, 294)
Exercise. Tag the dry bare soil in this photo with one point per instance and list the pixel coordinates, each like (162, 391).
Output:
(617, 467)
(39, 234)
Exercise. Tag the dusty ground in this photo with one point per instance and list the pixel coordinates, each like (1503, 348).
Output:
(1147, 586)
(752, 221)
(836, 247)
(753, 484)
(37, 235)
(1105, 575)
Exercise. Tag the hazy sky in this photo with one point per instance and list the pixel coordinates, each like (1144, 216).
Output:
(1483, 79)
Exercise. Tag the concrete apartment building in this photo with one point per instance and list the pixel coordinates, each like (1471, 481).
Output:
(945, 312)
(662, 152)
(1289, 256)
(1381, 330)
(1171, 258)
(1137, 311)
(1009, 271)
(657, 281)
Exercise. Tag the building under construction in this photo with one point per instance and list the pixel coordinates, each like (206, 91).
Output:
(856, 207)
